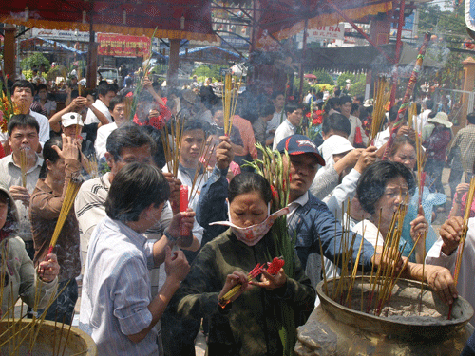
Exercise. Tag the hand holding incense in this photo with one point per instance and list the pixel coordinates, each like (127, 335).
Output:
(24, 165)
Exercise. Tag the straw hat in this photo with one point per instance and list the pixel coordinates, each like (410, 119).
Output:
(441, 118)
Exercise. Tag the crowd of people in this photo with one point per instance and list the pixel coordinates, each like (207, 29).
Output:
(153, 273)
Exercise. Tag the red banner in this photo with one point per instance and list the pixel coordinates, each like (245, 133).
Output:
(111, 44)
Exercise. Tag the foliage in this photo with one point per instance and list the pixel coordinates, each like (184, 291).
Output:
(358, 87)
(323, 77)
(29, 74)
(324, 87)
(34, 60)
(341, 81)
(449, 27)
(306, 86)
(205, 71)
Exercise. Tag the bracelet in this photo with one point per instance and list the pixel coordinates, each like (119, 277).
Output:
(169, 236)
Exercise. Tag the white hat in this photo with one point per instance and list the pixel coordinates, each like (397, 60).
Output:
(441, 118)
(334, 145)
(71, 118)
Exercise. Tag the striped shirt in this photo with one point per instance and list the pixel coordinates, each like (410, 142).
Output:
(116, 290)
(465, 139)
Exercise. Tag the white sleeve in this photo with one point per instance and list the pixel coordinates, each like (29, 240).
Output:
(342, 192)
(44, 128)
(100, 143)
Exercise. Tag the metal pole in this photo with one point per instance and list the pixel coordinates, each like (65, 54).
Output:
(400, 25)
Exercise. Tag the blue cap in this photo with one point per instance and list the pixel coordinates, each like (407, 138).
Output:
(299, 144)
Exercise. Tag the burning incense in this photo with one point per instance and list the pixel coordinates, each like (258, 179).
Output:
(72, 189)
(172, 150)
(230, 95)
(91, 167)
(24, 165)
(381, 98)
(79, 79)
(461, 247)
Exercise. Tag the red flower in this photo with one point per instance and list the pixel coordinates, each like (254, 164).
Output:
(274, 193)
(275, 265)
(129, 94)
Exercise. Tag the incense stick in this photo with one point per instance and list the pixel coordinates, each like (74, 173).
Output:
(72, 190)
(381, 97)
(24, 165)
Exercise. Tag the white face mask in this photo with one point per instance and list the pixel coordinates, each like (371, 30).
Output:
(253, 234)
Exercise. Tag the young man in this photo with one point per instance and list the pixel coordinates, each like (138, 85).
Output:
(117, 110)
(22, 135)
(287, 128)
(278, 100)
(48, 107)
(345, 107)
(22, 96)
(117, 309)
(105, 92)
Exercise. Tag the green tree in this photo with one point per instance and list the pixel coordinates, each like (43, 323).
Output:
(323, 77)
(341, 81)
(34, 60)
(449, 27)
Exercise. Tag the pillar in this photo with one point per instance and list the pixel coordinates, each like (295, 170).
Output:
(469, 71)
(173, 64)
(9, 51)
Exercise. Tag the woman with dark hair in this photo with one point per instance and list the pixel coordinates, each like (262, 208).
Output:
(61, 164)
(20, 277)
(249, 323)
(381, 189)
(403, 150)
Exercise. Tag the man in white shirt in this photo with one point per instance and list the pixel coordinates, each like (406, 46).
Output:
(22, 96)
(117, 110)
(287, 127)
(279, 116)
(105, 93)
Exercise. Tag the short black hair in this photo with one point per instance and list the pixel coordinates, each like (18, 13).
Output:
(22, 120)
(336, 122)
(103, 89)
(23, 84)
(275, 94)
(291, 107)
(194, 124)
(156, 135)
(118, 99)
(248, 182)
(429, 104)
(334, 102)
(136, 187)
(41, 86)
(372, 183)
(337, 92)
(345, 99)
(471, 117)
(266, 110)
(128, 135)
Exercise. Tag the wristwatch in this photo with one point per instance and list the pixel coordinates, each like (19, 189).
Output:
(169, 236)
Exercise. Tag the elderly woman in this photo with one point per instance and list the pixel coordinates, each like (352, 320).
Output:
(19, 278)
(249, 325)
(403, 150)
(382, 188)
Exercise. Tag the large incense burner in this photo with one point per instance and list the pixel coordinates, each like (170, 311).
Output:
(51, 339)
(407, 324)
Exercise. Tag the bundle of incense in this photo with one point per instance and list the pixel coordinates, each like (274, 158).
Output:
(461, 247)
(183, 207)
(72, 189)
(172, 150)
(381, 98)
(91, 166)
(206, 151)
(79, 79)
(230, 95)
(78, 127)
(24, 165)
(273, 267)
(412, 111)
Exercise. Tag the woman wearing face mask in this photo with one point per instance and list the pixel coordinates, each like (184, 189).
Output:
(403, 150)
(249, 324)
